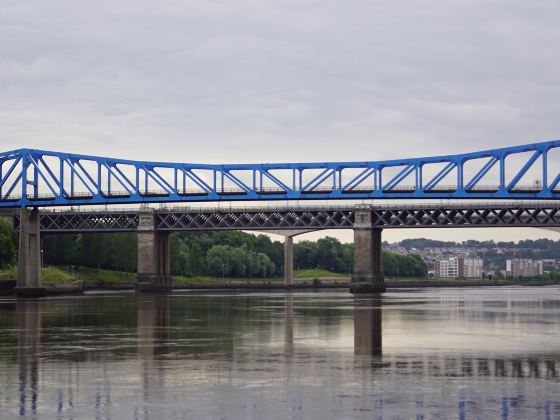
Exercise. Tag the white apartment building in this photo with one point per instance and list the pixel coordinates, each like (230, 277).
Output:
(447, 268)
(459, 267)
(472, 268)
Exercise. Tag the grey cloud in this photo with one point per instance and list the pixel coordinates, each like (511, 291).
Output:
(313, 80)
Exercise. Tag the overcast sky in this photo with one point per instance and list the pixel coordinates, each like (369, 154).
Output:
(293, 80)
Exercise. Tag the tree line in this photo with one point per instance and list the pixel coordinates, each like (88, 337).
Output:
(233, 254)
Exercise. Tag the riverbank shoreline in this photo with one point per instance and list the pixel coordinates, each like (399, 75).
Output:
(117, 281)
(54, 291)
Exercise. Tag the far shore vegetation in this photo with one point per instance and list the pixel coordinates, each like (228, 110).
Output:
(196, 257)
(208, 258)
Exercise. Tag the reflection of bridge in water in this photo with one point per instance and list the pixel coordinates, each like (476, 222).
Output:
(156, 340)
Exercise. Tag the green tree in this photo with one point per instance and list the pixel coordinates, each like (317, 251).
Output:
(179, 256)
(196, 262)
(7, 244)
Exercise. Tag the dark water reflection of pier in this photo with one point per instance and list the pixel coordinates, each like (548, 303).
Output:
(368, 320)
(28, 324)
(153, 321)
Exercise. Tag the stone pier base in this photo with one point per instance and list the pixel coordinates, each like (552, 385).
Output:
(368, 272)
(153, 256)
(28, 283)
(154, 283)
(288, 261)
(367, 283)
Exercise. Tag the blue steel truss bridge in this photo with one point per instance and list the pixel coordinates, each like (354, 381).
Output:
(513, 186)
(30, 177)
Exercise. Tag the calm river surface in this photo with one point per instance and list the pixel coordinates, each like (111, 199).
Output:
(417, 353)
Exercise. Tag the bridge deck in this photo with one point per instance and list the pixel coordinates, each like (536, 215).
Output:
(387, 216)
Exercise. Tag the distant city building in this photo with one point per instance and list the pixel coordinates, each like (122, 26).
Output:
(447, 268)
(471, 268)
(524, 267)
(453, 267)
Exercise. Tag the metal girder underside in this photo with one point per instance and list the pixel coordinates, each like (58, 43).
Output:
(68, 222)
(30, 177)
(257, 220)
(429, 216)
(456, 217)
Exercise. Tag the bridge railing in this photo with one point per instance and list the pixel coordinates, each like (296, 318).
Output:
(416, 205)
(30, 177)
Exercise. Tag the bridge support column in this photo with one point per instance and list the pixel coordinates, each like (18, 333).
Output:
(29, 282)
(368, 272)
(288, 261)
(153, 255)
(288, 235)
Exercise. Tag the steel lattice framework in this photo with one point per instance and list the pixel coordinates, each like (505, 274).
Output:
(89, 222)
(30, 177)
(544, 214)
(284, 219)
(467, 217)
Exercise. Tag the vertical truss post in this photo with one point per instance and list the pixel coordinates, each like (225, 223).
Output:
(460, 181)
(61, 180)
(545, 170)
(24, 164)
(503, 173)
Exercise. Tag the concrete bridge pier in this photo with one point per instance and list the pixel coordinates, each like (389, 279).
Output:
(288, 260)
(289, 251)
(153, 255)
(368, 272)
(28, 283)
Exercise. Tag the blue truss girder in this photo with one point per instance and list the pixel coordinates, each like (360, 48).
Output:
(30, 177)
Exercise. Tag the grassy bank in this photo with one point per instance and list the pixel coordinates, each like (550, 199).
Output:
(91, 277)
(317, 272)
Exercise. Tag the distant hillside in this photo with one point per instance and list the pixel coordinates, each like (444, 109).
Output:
(494, 253)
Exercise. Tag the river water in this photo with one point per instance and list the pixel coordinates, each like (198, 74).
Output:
(414, 353)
